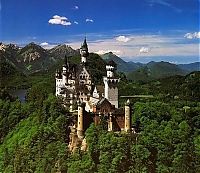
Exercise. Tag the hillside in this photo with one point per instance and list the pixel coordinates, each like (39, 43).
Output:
(122, 65)
(33, 58)
(10, 74)
(190, 67)
(60, 51)
(35, 61)
(186, 87)
(155, 70)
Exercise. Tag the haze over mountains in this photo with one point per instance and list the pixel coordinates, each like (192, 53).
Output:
(33, 58)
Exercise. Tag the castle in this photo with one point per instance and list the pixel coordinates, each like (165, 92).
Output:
(74, 84)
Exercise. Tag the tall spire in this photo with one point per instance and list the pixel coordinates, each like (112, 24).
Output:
(67, 62)
(84, 51)
(84, 43)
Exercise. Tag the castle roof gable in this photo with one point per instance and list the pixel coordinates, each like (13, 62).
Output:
(103, 101)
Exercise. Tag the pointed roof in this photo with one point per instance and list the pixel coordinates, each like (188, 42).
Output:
(103, 101)
(66, 60)
(84, 45)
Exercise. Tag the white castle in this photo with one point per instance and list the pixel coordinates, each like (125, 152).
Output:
(89, 103)
(75, 84)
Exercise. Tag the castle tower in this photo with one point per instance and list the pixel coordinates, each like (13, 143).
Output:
(59, 83)
(84, 52)
(110, 82)
(80, 122)
(127, 122)
(110, 123)
(64, 73)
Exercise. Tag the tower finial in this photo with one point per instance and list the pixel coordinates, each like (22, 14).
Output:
(127, 102)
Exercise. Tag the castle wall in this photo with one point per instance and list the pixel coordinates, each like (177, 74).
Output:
(118, 122)
(113, 96)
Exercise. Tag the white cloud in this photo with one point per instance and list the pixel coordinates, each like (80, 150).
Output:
(75, 22)
(194, 35)
(89, 20)
(59, 20)
(122, 38)
(158, 45)
(164, 3)
(101, 52)
(76, 7)
(144, 50)
(44, 44)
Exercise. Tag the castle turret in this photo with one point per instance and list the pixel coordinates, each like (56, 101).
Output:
(110, 82)
(127, 123)
(84, 52)
(80, 123)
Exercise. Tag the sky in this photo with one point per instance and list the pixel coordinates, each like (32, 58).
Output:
(135, 30)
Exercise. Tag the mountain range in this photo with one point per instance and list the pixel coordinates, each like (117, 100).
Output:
(33, 58)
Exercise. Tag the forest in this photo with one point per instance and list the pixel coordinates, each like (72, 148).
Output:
(35, 135)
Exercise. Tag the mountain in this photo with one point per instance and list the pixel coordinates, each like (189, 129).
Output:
(33, 58)
(122, 65)
(61, 50)
(190, 67)
(9, 53)
(155, 70)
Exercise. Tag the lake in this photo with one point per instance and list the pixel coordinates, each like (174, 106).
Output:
(20, 93)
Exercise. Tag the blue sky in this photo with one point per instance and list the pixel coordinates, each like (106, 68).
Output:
(136, 30)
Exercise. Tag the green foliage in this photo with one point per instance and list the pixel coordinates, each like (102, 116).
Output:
(97, 67)
(155, 70)
(9, 74)
(174, 88)
(36, 138)
(35, 135)
(168, 136)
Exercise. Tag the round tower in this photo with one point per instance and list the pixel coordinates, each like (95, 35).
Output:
(80, 122)
(110, 122)
(127, 122)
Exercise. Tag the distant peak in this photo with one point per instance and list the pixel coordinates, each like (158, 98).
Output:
(32, 43)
